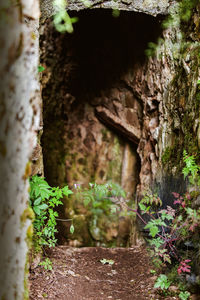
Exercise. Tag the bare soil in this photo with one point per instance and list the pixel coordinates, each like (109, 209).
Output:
(78, 274)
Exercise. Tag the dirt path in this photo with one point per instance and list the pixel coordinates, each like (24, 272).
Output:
(78, 274)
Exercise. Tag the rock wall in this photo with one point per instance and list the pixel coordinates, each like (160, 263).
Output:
(150, 7)
(105, 101)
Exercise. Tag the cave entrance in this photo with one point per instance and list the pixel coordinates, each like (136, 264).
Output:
(93, 112)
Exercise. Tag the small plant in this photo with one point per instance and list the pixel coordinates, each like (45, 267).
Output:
(170, 227)
(62, 21)
(105, 261)
(100, 198)
(43, 200)
(162, 282)
(184, 267)
(184, 295)
(47, 264)
(191, 169)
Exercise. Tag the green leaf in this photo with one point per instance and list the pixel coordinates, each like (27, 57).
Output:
(37, 210)
(40, 69)
(71, 229)
(162, 282)
(167, 216)
(184, 295)
(37, 201)
(43, 206)
(156, 242)
(142, 206)
(62, 21)
(153, 231)
(74, 20)
(66, 191)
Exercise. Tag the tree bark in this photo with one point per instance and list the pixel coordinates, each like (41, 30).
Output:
(19, 121)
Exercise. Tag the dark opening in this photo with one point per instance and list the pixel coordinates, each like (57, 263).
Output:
(105, 47)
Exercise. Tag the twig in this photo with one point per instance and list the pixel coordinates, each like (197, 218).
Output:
(64, 220)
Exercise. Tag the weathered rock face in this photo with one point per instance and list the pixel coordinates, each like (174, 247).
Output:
(105, 100)
(151, 7)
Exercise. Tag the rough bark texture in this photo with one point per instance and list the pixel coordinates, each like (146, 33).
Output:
(19, 115)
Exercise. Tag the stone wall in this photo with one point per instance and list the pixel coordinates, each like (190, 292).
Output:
(151, 7)
(105, 101)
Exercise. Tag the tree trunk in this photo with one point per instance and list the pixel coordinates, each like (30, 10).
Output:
(19, 121)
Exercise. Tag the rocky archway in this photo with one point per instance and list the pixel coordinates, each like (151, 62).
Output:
(95, 87)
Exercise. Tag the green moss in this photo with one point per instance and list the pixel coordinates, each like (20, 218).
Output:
(29, 236)
(115, 165)
(166, 155)
(190, 139)
(28, 170)
(104, 133)
(27, 214)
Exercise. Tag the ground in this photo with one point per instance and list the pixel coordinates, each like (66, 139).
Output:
(78, 274)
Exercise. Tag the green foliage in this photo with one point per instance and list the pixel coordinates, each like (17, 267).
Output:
(101, 206)
(162, 282)
(151, 50)
(171, 226)
(186, 8)
(43, 200)
(184, 295)
(62, 20)
(191, 169)
(47, 264)
(40, 69)
(99, 198)
(153, 226)
(148, 201)
(115, 13)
